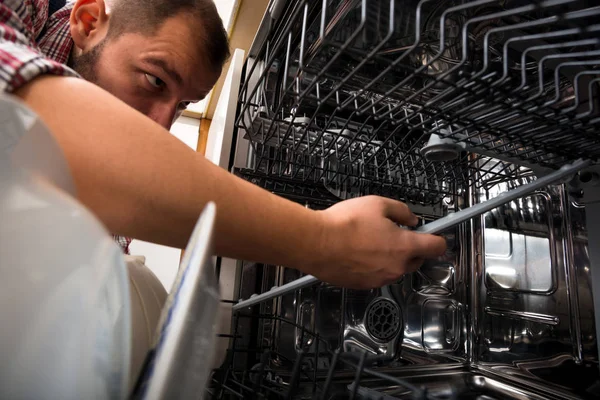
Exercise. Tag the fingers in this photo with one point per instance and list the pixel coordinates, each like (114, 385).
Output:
(427, 246)
(422, 246)
(399, 212)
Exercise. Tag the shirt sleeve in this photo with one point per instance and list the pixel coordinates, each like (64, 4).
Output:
(21, 60)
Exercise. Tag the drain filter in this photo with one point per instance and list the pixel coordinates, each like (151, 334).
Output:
(383, 319)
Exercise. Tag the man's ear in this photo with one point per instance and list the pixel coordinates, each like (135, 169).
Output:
(89, 23)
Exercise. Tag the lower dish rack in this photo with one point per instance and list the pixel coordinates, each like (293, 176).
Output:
(494, 318)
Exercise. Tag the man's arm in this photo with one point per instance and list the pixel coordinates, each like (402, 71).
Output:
(142, 182)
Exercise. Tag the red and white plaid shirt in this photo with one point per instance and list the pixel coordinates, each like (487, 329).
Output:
(32, 44)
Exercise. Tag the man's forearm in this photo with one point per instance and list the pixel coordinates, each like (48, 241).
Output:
(143, 182)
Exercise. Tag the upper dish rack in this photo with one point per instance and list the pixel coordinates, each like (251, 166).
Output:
(418, 100)
(369, 170)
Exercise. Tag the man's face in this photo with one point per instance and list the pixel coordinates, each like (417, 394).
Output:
(157, 75)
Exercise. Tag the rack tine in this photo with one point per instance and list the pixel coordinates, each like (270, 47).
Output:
(264, 359)
(330, 373)
(295, 374)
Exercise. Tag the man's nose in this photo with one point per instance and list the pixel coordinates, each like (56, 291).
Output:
(163, 114)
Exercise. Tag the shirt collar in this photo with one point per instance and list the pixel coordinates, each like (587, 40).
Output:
(56, 42)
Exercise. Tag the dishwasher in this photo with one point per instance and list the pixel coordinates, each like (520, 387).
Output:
(483, 117)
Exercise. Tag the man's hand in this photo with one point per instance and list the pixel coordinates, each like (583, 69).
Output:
(364, 248)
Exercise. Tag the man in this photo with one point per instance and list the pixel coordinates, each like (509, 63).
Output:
(142, 61)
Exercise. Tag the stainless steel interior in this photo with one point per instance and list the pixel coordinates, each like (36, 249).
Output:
(442, 104)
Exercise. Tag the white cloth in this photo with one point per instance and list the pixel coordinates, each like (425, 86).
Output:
(148, 297)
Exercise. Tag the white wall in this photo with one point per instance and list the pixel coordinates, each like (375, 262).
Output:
(226, 10)
(162, 260)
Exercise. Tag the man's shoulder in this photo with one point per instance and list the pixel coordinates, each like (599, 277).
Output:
(32, 43)
(27, 16)
(55, 39)
(31, 17)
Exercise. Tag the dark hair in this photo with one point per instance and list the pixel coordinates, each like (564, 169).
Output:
(147, 16)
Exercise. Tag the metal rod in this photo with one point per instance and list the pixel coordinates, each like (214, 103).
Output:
(437, 226)
(295, 373)
(297, 284)
(503, 198)
(334, 361)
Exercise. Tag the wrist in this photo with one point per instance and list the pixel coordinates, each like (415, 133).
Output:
(318, 248)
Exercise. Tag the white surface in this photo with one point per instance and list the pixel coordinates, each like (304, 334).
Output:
(200, 106)
(64, 298)
(220, 133)
(148, 297)
(163, 260)
(218, 150)
(225, 9)
(186, 129)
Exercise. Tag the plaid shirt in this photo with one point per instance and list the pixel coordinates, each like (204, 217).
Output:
(32, 44)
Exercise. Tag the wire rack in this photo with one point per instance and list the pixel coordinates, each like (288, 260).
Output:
(325, 180)
(350, 93)
(413, 100)
(325, 373)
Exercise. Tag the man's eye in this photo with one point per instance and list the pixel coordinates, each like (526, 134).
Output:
(154, 81)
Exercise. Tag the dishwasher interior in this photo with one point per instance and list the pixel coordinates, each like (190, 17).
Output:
(441, 104)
